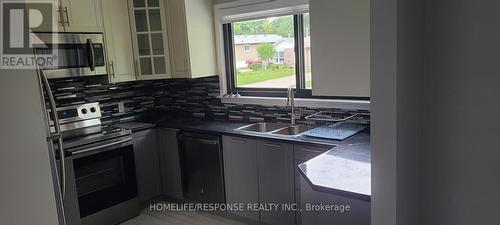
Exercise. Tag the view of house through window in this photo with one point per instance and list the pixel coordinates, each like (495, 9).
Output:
(264, 54)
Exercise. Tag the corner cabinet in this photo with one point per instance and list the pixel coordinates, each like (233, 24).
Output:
(192, 40)
(149, 36)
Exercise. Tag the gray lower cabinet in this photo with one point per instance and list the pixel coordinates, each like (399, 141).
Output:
(259, 171)
(170, 165)
(276, 181)
(303, 153)
(358, 213)
(241, 174)
(147, 165)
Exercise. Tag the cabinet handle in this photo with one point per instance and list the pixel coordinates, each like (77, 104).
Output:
(202, 141)
(136, 62)
(312, 150)
(112, 69)
(272, 145)
(239, 140)
(67, 16)
(60, 12)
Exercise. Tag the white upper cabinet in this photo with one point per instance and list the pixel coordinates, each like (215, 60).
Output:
(72, 16)
(149, 36)
(192, 40)
(118, 38)
(57, 24)
(340, 47)
(82, 15)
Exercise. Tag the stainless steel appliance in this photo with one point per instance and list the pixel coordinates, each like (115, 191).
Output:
(202, 170)
(100, 170)
(96, 169)
(77, 54)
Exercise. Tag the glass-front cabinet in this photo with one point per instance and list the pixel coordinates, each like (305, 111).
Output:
(149, 36)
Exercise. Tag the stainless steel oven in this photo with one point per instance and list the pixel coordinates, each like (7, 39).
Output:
(105, 181)
(76, 54)
(99, 182)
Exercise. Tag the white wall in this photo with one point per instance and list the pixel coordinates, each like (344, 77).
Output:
(27, 190)
(383, 110)
(410, 69)
(461, 148)
(396, 89)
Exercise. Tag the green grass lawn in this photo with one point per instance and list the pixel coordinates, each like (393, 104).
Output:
(309, 84)
(250, 77)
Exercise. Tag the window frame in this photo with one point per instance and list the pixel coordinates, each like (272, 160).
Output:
(300, 90)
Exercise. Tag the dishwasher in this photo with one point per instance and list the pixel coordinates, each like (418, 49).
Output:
(201, 167)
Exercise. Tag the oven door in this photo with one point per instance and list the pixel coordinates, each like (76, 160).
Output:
(76, 54)
(105, 175)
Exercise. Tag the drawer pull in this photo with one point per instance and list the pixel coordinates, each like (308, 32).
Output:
(272, 145)
(239, 140)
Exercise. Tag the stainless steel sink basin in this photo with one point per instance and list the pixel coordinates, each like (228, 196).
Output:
(261, 127)
(292, 130)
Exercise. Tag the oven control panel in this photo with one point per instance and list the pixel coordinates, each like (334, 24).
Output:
(88, 111)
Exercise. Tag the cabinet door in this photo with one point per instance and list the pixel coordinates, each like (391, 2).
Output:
(359, 213)
(276, 181)
(170, 164)
(303, 153)
(52, 13)
(177, 29)
(150, 39)
(118, 41)
(240, 173)
(340, 48)
(82, 15)
(147, 165)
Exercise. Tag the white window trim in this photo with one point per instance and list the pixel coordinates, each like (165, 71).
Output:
(300, 102)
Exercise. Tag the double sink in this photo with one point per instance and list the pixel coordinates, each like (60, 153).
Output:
(275, 128)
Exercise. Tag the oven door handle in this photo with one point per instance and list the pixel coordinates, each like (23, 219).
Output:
(91, 54)
(101, 146)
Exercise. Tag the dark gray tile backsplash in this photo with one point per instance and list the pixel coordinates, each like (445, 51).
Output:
(129, 101)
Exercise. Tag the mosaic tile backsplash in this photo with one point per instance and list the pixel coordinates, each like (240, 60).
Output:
(130, 101)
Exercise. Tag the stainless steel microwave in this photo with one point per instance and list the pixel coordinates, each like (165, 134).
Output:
(75, 54)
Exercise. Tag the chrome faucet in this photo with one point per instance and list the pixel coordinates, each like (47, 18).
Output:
(291, 102)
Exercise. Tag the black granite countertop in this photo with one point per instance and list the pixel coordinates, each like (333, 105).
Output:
(344, 170)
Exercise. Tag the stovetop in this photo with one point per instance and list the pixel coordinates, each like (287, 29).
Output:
(90, 135)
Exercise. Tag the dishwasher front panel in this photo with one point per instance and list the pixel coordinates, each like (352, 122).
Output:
(202, 170)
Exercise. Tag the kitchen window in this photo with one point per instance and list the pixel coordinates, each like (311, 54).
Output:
(266, 56)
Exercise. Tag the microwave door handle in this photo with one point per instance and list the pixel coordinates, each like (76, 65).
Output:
(57, 134)
(91, 54)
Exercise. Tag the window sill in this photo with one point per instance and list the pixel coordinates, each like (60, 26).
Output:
(300, 102)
